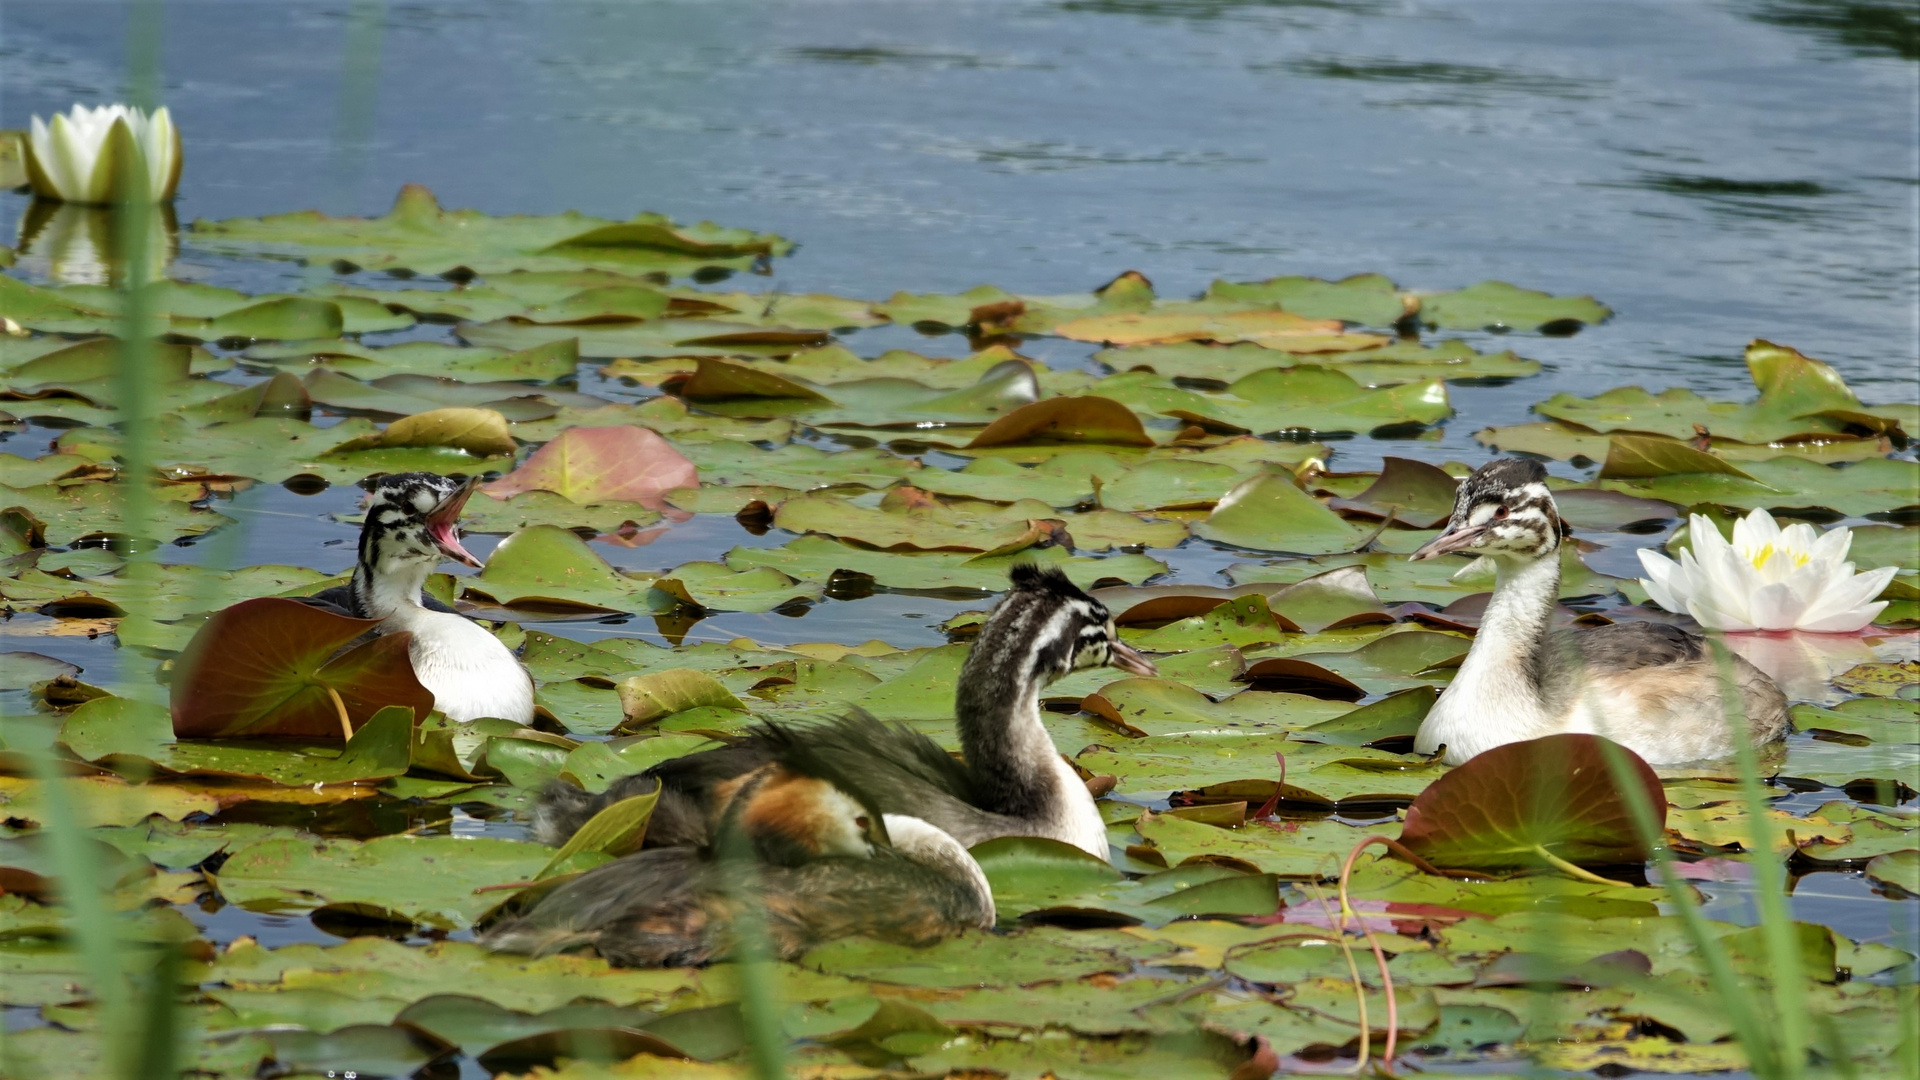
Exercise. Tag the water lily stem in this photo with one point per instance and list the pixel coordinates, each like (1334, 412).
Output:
(1379, 955)
(340, 708)
(1573, 871)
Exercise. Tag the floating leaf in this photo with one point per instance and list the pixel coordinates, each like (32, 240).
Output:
(1498, 305)
(417, 235)
(427, 879)
(1268, 512)
(817, 558)
(481, 432)
(547, 568)
(1411, 492)
(1798, 396)
(645, 698)
(1095, 420)
(1551, 800)
(708, 586)
(267, 667)
(1273, 329)
(618, 829)
(1368, 299)
(117, 732)
(1298, 399)
(602, 464)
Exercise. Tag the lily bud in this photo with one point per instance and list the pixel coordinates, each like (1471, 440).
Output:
(79, 156)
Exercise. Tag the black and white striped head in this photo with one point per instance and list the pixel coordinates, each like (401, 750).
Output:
(1504, 509)
(414, 517)
(1046, 627)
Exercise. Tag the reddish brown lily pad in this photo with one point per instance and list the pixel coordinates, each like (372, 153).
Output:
(602, 464)
(267, 667)
(1542, 801)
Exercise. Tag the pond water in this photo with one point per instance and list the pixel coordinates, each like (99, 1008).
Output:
(1713, 172)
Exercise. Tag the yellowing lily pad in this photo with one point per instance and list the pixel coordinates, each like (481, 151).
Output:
(417, 235)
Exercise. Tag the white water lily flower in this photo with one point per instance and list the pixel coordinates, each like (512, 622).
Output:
(76, 157)
(1769, 578)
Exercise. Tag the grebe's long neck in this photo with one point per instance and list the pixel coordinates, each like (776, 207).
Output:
(390, 588)
(1512, 642)
(997, 704)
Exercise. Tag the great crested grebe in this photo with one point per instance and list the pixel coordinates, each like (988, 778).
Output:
(1012, 782)
(819, 865)
(1653, 688)
(412, 524)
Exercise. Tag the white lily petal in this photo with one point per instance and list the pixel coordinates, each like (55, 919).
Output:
(1774, 607)
(1660, 579)
(1846, 604)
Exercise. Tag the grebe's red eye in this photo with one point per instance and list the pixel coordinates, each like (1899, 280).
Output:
(1500, 513)
(862, 823)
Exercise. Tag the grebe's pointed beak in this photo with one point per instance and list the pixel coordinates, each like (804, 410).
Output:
(443, 524)
(1129, 659)
(1449, 541)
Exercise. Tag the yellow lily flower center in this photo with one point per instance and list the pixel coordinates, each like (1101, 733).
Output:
(1766, 552)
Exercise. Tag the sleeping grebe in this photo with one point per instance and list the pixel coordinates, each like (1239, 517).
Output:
(1653, 688)
(818, 863)
(1012, 781)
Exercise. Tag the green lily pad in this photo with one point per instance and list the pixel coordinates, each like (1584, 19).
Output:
(816, 558)
(796, 466)
(1161, 706)
(974, 959)
(665, 415)
(1299, 399)
(427, 879)
(1548, 801)
(1367, 299)
(401, 395)
(1386, 365)
(710, 586)
(1786, 483)
(156, 591)
(118, 732)
(1897, 868)
(531, 508)
(1288, 848)
(656, 337)
(1331, 773)
(372, 967)
(1269, 513)
(1496, 304)
(1798, 396)
(417, 235)
(547, 568)
(1564, 442)
(1411, 492)
(543, 363)
(1092, 420)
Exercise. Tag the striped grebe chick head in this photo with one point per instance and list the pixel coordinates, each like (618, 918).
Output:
(1046, 627)
(1503, 510)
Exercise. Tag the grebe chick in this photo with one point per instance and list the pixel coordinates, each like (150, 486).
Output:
(1012, 782)
(412, 525)
(846, 871)
(1653, 688)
